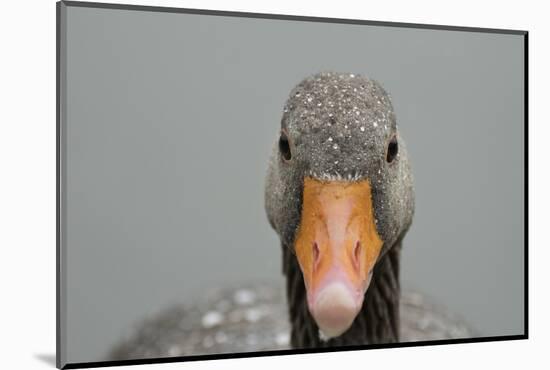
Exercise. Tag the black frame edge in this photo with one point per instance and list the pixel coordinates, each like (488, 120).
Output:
(160, 360)
(526, 182)
(57, 185)
(286, 17)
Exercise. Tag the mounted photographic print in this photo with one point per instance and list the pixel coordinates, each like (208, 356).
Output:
(234, 184)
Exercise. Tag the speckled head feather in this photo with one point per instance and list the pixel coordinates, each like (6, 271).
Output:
(339, 126)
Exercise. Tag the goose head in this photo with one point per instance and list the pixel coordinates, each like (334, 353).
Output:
(339, 190)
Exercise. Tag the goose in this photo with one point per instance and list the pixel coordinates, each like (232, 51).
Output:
(339, 194)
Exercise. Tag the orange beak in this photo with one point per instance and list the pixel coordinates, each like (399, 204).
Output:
(337, 246)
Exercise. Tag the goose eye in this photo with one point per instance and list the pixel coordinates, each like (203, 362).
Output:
(392, 149)
(284, 147)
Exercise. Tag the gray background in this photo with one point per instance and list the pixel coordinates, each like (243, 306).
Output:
(169, 123)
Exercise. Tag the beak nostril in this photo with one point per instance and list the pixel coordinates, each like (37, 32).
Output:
(315, 254)
(357, 254)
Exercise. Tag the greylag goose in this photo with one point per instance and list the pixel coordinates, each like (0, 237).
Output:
(339, 194)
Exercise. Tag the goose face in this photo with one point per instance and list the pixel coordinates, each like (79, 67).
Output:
(339, 190)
